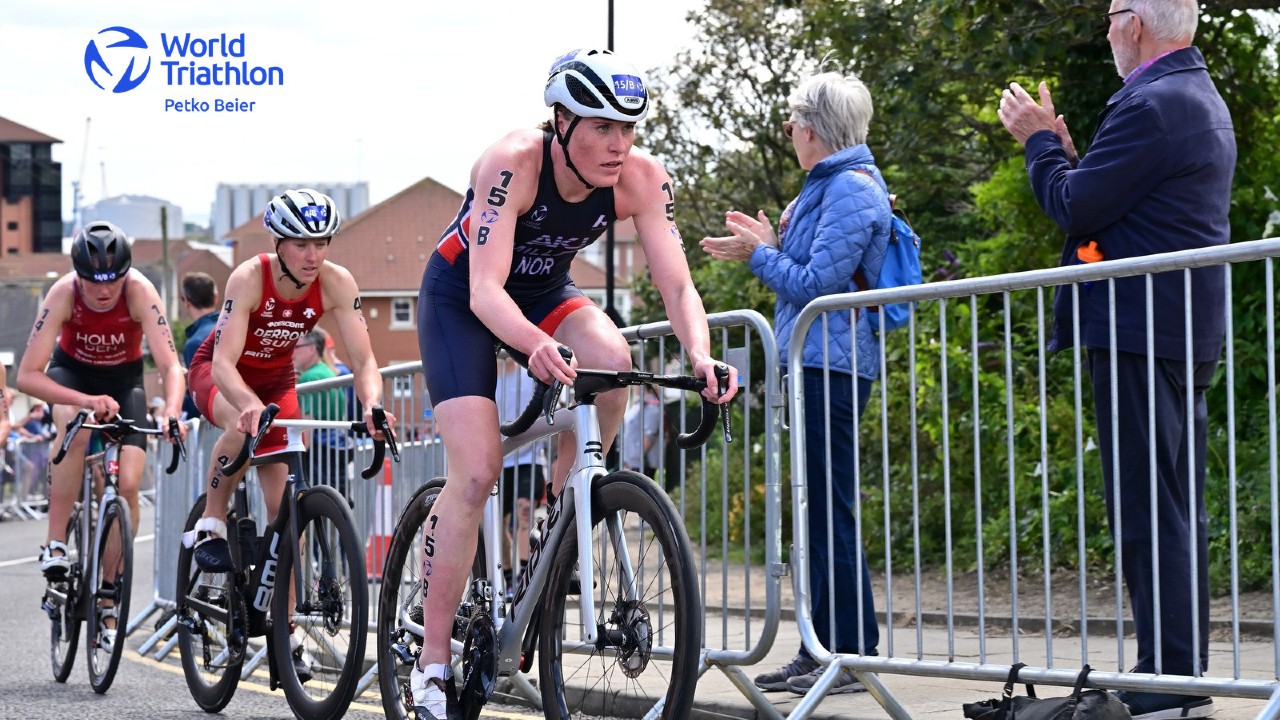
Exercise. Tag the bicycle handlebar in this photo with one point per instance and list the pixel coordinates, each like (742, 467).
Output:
(269, 414)
(119, 429)
(593, 382)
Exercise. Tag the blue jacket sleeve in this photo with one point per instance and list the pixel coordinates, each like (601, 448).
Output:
(844, 228)
(1121, 168)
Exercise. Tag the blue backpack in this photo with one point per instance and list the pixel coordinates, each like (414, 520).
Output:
(901, 267)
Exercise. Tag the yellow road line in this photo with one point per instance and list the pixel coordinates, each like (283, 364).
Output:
(262, 689)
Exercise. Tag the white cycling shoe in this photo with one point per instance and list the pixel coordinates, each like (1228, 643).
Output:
(433, 691)
(106, 635)
(55, 567)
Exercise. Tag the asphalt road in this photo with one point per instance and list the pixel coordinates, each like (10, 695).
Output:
(143, 688)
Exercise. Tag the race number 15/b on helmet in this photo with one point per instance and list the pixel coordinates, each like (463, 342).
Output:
(100, 252)
(304, 214)
(597, 84)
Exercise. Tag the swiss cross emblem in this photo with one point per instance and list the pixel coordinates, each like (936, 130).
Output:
(287, 312)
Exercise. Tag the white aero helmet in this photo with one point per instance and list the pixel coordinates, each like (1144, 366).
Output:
(302, 215)
(596, 84)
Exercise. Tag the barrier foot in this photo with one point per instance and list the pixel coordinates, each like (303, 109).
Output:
(165, 631)
(520, 682)
(827, 680)
(368, 679)
(252, 663)
(167, 648)
(877, 690)
(1272, 709)
(764, 709)
(141, 617)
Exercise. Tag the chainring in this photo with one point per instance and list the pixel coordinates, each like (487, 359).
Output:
(479, 663)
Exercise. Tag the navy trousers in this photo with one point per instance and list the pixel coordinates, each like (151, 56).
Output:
(854, 609)
(1176, 484)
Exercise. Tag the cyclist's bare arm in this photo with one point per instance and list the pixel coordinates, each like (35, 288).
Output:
(647, 194)
(146, 307)
(244, 293)
(55, 310)
(340, 289)
(505, 180)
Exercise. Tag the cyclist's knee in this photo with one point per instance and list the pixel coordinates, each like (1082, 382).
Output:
(476, 486)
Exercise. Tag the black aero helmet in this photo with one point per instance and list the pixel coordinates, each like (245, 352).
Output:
(100, 252)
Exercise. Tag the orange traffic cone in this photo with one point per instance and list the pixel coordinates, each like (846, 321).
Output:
(384, 521)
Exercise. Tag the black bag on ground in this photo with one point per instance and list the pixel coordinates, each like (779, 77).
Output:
(1098, 704)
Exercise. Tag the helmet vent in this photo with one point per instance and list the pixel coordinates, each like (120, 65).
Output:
(581, 93)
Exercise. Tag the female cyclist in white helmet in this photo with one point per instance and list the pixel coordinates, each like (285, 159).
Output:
(500, 274)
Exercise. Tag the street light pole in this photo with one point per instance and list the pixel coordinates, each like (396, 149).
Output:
(609, 242)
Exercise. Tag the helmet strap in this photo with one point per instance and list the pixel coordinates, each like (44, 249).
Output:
(564, 145)
(285, 269)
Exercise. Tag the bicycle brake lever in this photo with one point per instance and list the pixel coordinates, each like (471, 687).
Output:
(722, 386)
(380, 420)
(549, 401)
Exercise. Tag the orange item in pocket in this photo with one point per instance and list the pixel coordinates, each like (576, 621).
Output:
(1089, 252)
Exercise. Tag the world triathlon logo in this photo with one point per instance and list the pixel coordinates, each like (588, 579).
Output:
(125, 52)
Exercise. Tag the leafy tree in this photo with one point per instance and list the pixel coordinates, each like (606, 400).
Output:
(935, 68)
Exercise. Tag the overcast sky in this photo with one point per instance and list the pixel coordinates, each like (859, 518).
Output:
(385, 92)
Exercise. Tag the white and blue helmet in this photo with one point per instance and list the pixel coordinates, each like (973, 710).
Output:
(302, 215)
(596, 84)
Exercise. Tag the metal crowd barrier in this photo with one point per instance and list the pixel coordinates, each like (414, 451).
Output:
(1243, 668)
(24, 479)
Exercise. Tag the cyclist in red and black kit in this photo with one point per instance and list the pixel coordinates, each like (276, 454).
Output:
(247, 361)
(85, 352)
(500, 275)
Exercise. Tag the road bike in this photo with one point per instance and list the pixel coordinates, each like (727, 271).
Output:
(316, 626)
(96, 588)
(608, 601)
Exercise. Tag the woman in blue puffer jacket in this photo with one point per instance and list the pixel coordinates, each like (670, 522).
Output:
(838, 224)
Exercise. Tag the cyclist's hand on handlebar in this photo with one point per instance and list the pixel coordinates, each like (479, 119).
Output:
(170, 422)
(706, 370)
(104, 408)
(375, 432)
(249, 418)
(548, 364)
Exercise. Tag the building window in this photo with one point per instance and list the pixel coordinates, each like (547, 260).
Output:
(402, 386)
(402, 313)
(12, 225)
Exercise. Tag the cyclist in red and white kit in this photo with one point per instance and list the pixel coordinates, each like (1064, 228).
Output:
(247, 361)
(85, 352)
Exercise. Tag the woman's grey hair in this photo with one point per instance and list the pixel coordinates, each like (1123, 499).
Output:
(1169, 20)
(837, 107)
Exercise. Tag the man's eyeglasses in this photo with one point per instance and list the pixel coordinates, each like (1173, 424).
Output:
(1106, 16)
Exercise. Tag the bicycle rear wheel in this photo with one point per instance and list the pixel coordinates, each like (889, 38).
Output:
(647, 610)
(330, 621)
(212, 625)
(110, 598)
(399, 633)
(62, 605)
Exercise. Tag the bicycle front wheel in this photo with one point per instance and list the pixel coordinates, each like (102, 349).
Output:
(399, 634)
(647, 610)
(318, 638)
(212, 625)
(109, 601)
(62, 605)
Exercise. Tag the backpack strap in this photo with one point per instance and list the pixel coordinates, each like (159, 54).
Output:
(860, 279)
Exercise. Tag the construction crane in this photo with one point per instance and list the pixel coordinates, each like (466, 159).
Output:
(77, 197)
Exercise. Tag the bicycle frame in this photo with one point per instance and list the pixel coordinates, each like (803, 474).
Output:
(110, 462)
(259, 556)
(512, 622)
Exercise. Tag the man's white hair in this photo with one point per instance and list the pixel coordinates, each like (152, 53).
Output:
(1169, 20)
